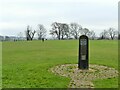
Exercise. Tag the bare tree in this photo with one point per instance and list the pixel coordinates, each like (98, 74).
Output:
(64, 30)
(75, 30)
(85, 31)
(104, 34)
(60, 30)
(91, 35)
(29, 33)
(55, 30)
(112, 33)
(41, 32)
(53, 35)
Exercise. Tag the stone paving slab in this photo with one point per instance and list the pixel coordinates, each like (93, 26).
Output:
(84, 78)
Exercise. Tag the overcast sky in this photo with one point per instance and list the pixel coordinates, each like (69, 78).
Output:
(95, 15)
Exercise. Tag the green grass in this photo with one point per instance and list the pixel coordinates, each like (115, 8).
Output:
(27, 64)
(107, 83)
(0, 65)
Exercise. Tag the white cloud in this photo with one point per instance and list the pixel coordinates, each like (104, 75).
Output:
(59, 1)
(94, 14)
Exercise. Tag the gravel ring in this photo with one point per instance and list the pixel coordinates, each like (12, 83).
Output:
(84, 78)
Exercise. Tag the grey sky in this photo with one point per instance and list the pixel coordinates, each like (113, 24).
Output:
(96, 15)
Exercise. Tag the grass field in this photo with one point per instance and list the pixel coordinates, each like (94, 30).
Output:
(0, 65)
(27, 64)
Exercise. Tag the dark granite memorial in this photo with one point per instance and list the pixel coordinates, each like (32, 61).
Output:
(83, 59)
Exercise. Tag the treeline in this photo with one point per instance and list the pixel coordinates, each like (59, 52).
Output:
(63, 31)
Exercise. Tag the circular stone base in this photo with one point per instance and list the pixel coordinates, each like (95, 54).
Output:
(83, 78)
(89, 70)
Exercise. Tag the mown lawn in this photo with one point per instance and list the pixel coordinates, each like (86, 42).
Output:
(27, 64)
(0, 65)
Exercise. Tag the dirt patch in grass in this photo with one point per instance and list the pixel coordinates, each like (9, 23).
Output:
(84, 78)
